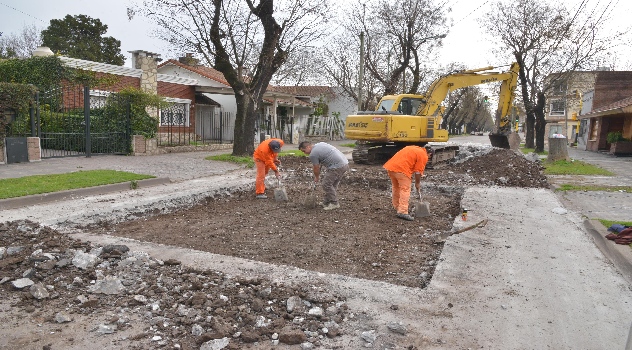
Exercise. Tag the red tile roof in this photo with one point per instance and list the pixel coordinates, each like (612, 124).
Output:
(204, 71)
(619, 107)
(312, 91)
(626, 102)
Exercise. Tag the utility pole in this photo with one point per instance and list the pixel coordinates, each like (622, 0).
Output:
(361, 73)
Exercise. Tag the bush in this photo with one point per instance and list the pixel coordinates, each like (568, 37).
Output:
(615, 137)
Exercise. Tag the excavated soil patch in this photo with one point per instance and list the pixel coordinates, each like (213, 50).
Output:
(361, 239)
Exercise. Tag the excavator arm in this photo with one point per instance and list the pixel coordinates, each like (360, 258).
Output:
(442, 86)
(501, 136)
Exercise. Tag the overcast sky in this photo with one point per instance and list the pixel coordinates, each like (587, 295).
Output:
(465, 43)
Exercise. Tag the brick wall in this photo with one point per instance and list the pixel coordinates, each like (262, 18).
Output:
(121, 83)
(611, 87)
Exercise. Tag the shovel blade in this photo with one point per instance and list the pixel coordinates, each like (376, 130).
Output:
(310, 202)
(422, 210)
(280, 195)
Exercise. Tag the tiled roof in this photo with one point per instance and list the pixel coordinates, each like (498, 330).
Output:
(621, 106)
(204, 71)
(312, 91)
(288, 102)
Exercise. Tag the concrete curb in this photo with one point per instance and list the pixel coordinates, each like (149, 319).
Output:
(19, 202)
(620, 255)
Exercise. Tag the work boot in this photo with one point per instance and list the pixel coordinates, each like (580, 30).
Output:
(262, 196)
(405, 217)
(331, 206)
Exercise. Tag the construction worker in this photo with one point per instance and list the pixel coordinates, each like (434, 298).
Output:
(401, 167)
(265, 157)
(325, 155)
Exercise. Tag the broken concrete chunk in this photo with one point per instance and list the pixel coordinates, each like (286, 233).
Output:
(22, 283)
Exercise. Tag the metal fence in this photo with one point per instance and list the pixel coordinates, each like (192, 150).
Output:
(281, 128)
(71, 122)
(210, 126)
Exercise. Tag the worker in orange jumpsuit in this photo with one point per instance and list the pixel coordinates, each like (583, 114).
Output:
(401, 167)
(265, 157)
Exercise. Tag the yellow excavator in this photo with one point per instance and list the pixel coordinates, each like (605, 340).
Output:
(410, 119)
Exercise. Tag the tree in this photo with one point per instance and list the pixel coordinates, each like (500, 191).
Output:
(546, 39)
(20, 45)
(83, 37)
(398, 37)
(398, 33)
(246, 40)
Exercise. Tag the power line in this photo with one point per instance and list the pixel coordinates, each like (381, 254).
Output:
(22, 12)
(469, 14)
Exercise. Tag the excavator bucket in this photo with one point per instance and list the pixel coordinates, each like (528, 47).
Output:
(509, 141)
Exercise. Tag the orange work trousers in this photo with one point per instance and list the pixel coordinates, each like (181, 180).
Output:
(260, 182)
(401, 191)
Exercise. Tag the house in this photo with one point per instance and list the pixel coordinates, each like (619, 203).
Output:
(215, 99)
(174, 121)
(332, 106)
(564, 102)
(588, 105)
(606, 109)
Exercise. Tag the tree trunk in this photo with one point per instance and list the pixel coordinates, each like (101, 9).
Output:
(243, 144)
(524, 90)
(540, 123)
(557, 150)
(529, 131)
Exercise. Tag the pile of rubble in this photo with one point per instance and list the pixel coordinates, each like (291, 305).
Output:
(165, 303)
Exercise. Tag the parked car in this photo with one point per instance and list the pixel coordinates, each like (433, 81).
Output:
(479, 133)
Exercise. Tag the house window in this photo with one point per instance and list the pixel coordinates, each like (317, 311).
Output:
(557, 107)
(98, 98)
(559, 88)
(175, 115)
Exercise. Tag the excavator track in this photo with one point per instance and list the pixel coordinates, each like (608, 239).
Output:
(379, 153)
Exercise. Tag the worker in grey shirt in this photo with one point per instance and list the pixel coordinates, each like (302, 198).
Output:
(325, 155)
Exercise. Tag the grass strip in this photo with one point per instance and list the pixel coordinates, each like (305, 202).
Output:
(38, 184)
(227, 157)
(573, 167)
(608, 223)
(586, 188)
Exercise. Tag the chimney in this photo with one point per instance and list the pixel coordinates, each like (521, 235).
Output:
(148, 63)
(189, 60)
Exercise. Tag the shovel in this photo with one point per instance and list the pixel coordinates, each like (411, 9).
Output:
(280, 195)
(311, 200)
(421, 209)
